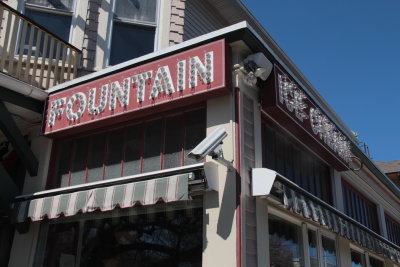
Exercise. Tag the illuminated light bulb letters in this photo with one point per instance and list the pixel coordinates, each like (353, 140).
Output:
(77, 97)
(162, 82)
(56, 110)
(140, 79)
(92, 108)
(120, 93)
(205, 71)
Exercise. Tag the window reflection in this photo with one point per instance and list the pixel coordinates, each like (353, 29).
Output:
(357, 259)
(375, 262)
(312, 247)
(284, 243)
(328, 252)
(61, 245)
(144, 240)
(155, 238)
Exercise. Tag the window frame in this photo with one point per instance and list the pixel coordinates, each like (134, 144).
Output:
(53, 180)
(38, 258)
(388, 218)
(296, 144)
(367, 255)
(304, 228)
(366, 199)
(110, 23)
(73, 14)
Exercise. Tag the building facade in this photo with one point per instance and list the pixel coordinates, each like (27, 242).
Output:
(123, 176)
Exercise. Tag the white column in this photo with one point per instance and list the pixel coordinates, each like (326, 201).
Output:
(381, 220)
(219, 218)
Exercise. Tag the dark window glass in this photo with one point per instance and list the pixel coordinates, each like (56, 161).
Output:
(171, 238)
(55, 23)
(284, 243)
(328, 252)
(113, 163)
(313, 249)
(78, 173)
(146, 147)
(159, 237)
(359, 208)
(61, 244)
(64, 164)
(357, 259)
(133, 150)
(138, 10)
(393, 229)
(130, 41)
(152, 145)
(195, 130)
(173, 142)
(96, 157)
(66, 5)
(375, 262)
(280, 153)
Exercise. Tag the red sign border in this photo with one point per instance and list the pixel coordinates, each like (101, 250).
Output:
(221, 88)
(272, 106)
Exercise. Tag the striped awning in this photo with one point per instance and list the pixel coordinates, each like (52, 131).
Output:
(339, 223)
(149, 192)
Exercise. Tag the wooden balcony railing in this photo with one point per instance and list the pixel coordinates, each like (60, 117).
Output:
(32, 54)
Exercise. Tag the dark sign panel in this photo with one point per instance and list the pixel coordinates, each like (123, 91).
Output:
(284, 100)
(180, 78)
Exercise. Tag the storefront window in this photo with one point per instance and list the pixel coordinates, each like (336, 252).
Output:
(144, 147)
(283, 155)
(284, 243)
(153, 237)
(393, 229)
(357, 259)
(61, 248)
(328, 252)
(313, 249)
(359, 207)
(373, 262)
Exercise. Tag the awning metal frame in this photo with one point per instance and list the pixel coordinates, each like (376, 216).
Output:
(280, 189)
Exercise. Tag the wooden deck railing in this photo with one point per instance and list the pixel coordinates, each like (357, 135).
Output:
(32, 54)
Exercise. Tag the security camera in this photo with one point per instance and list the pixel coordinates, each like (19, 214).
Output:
(258, 65)
(211, 145)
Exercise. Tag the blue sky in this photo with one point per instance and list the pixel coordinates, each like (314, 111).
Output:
(350, 51)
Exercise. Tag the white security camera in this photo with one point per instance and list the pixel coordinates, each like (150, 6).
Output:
(258, 65)
(211, 145)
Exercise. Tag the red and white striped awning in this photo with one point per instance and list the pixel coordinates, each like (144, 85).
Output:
(149, 192)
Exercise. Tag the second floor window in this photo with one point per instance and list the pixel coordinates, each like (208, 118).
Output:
(393, 229)
(281, 154)
(359, 208)
(133, 29)
(139, 148)
(54, 16)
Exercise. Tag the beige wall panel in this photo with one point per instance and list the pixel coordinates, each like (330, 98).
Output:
(220, 207)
